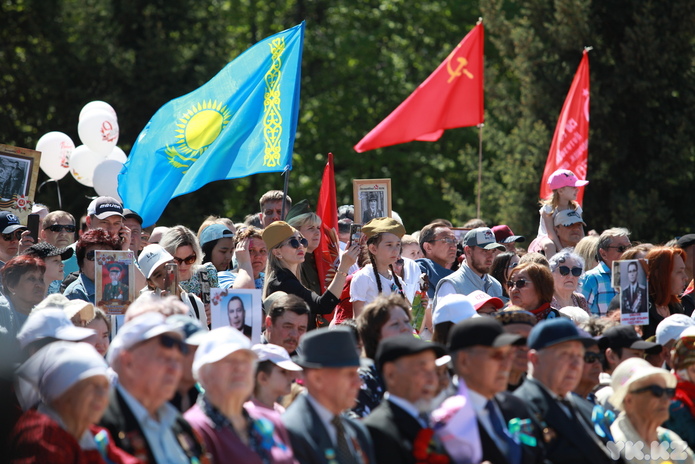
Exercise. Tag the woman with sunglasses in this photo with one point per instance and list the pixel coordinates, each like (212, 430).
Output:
(181, 243)
(287, 249)
(91, 241)
(501, 267)
(567, 267)
(643, 393)
(531, 287)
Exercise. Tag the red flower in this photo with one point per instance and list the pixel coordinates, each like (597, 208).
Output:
(424, 449)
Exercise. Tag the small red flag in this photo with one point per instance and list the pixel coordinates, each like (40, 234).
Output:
(570, 146)
(326, 255)
(452, 96)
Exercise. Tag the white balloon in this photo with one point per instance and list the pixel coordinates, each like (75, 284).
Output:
(55, 148)
(83, 162)
(98, 129)
(97, 105)
(106, 178)
(118, 154)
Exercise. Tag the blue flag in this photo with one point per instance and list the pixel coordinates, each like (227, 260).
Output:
(242, 122)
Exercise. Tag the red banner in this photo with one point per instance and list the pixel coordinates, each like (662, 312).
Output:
(570, 146)
(327, 253)
(452, 96)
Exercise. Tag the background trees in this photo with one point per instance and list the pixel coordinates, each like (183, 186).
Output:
(361, 59)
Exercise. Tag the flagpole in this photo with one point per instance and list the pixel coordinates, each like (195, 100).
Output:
(286, 172)
(480, 166)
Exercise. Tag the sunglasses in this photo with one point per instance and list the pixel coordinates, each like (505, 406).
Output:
(657, 391)
(590, 357)
(621, 248)
(187, 260)
(90, 255)
(16, 235)
(59, 227)
(294, 242)
(576, 271)
(170, 342)
(521, 283)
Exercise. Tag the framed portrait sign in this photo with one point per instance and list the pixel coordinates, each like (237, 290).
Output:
(115, 280)
(19, 172)
(239, 308)
(634, 291)
(372, 199)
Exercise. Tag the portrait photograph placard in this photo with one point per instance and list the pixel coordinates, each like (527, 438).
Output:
(115, 280)
(372, 199)
(238, 308)
(634, 292)
(19, 172)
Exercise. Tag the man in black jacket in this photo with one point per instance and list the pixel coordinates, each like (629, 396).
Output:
(556, 357)
(482, 356)
(407, 365)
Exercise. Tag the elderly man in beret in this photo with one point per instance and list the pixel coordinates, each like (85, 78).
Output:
(147, 355)
(556, 359)
(407, 365)
(319, 432)
(482, 355)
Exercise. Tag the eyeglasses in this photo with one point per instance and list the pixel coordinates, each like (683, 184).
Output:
(170, 342)
(521, 283)
(565, 270)
(90, 255)
(513, 265)
(59, 227)
(621, 248)
(590, 357)
(187, 260)
(294, 242)
(448, 240)
(657, 391)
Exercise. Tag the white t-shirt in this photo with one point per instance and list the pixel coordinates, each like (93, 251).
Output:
(363, 286)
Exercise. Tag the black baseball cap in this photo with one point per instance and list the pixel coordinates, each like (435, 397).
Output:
(9, 223)
(480, 331)
(45, 250)
(624, 336)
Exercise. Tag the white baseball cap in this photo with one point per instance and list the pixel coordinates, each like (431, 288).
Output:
(672, 327)
(151, 257)
(218, 344)
(453, 308)
(275, 354)
(140, 329)
(51, 323)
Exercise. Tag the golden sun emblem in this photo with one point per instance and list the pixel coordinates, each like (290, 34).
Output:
(197, 129)
(200, 126)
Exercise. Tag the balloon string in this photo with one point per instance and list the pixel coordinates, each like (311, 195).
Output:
(60, 200)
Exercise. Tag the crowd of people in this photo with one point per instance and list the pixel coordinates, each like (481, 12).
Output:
(439, 345)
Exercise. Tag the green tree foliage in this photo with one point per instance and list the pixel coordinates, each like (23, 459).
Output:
(361, 59)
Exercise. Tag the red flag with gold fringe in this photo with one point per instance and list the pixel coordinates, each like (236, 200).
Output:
(327, 253)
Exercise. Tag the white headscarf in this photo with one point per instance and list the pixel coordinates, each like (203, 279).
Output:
(56, 367)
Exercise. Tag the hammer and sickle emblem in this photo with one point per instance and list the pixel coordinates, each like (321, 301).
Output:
(454, 73)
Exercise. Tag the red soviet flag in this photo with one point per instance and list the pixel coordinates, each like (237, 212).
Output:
(452, 96)
(570, 146)
(326, 255)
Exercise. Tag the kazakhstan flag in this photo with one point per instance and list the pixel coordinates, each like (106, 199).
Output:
(241, 122)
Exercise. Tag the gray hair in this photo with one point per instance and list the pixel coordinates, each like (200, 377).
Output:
(562, 256)
(607, 236)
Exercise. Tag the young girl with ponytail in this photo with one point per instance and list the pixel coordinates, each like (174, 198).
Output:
(377, 277)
